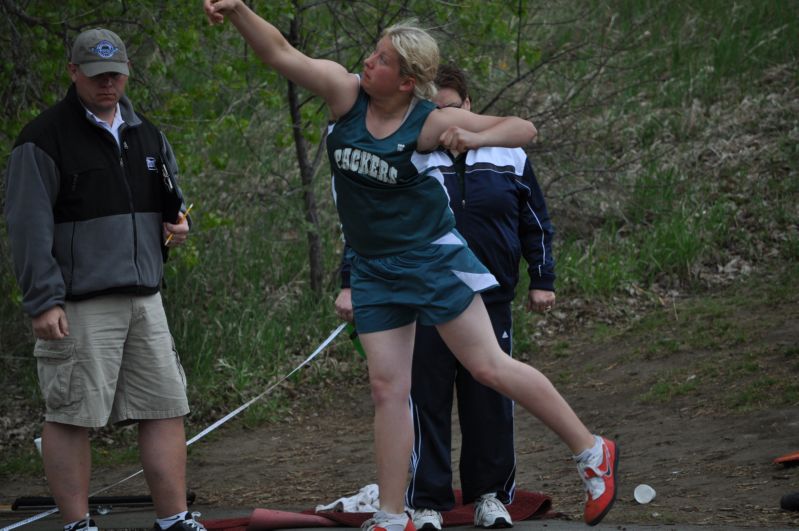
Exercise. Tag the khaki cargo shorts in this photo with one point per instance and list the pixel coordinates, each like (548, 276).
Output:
(119, 363)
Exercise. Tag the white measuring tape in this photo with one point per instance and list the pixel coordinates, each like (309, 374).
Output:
(203, 433)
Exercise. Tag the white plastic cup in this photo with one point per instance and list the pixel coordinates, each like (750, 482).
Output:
(38, 442)
(644, 494)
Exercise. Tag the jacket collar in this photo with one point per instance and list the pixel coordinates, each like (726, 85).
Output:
(125, 107)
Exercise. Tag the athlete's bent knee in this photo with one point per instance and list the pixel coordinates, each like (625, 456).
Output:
(486, 373)
(386, 392)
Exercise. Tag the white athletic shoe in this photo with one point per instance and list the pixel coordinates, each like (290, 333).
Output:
(429, 519)
(490, 513)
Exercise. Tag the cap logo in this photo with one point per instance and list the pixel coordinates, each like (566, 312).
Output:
(104, 49)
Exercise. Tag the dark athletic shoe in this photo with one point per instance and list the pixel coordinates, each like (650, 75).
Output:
(790, 502)
(84, 525)
(189, 524)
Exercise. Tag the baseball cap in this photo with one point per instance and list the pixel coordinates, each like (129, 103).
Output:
(99, 50)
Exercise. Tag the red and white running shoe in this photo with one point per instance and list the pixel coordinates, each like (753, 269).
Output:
(599, 476)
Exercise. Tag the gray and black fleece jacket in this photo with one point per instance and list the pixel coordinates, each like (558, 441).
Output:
(84, 215)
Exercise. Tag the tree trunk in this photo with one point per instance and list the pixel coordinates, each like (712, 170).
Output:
(310, 207)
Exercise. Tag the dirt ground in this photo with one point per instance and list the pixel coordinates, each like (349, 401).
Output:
(709, 464)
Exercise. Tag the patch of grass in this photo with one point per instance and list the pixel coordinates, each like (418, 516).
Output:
(710, 338)
(753, 395)
(710, 309)
(791, 248)
(738, 382)
(749, 365)
(561, 349)
(669, 229)
(563, 378)
(524, 344)
(249, 321)
(735, 371)
(757, 380)
(105, 451)
(656, 350)
(791, 352)
(676, 218)
(604, 331)
(22, 461)
(114, 455)
(653, 322)
(632, 355)
(669, 386)
(706, 48)
(701, 325)
(667, 344)
(653, 196)
(669, 250)
(790, 393)
(597, 269)
(262, 411)
(785, 288)
(711, 369)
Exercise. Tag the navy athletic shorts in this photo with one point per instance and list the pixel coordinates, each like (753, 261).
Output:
(434, 284)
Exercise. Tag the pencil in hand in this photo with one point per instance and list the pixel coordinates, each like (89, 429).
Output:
(181, 217)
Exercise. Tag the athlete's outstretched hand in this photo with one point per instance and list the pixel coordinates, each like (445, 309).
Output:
(216, 10)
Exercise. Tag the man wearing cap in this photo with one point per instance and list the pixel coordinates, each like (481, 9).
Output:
(87, 184)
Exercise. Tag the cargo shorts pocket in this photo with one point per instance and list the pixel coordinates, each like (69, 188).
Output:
(181, 371)
(56, 369)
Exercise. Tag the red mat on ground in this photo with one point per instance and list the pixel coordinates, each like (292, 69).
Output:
(788, 459)
(525, 506)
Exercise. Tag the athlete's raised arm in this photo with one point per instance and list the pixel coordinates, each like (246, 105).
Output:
(460, 130)
(327, 79)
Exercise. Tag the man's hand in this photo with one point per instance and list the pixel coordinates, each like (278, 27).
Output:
(51, 324)
(178, 231)
(344, 305)
(539, 300)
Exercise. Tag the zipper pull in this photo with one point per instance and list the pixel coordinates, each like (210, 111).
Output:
(125, 145)
(166, 178)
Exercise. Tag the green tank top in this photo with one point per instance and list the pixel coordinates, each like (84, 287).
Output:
(390, 197)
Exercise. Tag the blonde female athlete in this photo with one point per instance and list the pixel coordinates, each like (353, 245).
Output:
(408, 261)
